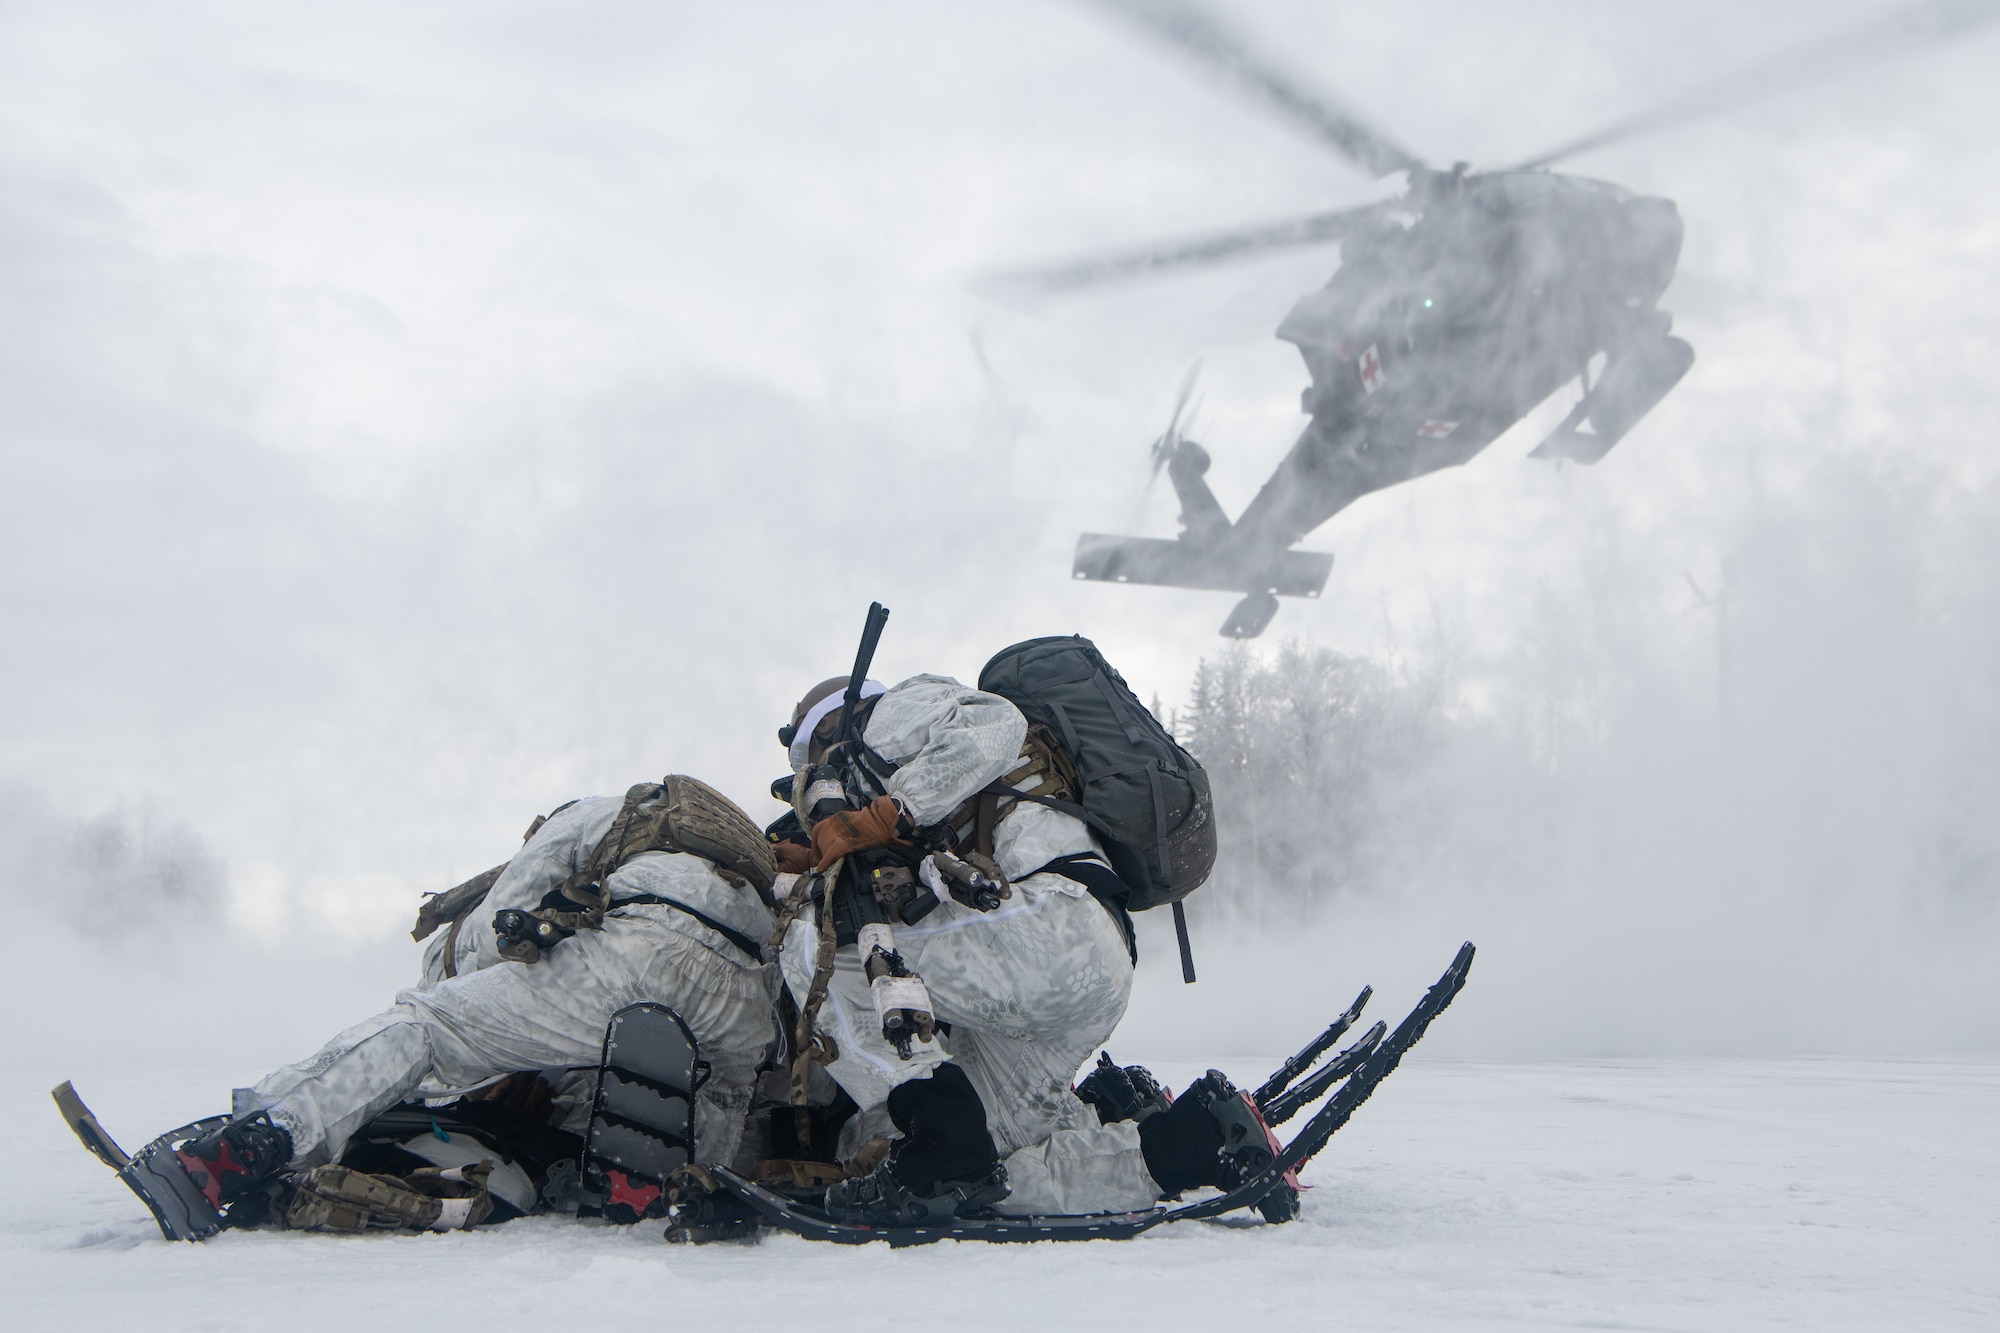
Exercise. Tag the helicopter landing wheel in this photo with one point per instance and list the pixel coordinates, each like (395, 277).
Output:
(1251, 616)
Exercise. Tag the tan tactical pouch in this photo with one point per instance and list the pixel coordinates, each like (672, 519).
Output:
(686, 815)
(454, 903)
(335, 1198)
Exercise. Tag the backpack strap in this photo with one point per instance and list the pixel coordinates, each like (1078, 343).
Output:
(730, 933)
(585, 887)
(1089, 870)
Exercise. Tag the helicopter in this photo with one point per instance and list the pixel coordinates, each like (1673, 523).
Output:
(1458, 307)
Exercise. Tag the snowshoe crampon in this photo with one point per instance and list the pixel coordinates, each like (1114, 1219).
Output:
(1269, 1189)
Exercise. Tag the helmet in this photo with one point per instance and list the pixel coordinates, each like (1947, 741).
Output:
(816, 712)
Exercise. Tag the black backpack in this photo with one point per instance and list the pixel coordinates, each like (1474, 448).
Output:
(1147, 798)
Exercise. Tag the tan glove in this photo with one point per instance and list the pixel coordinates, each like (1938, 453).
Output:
(792, 859)
(879, 825)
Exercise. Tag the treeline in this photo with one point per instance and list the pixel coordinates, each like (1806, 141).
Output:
(1313, 756)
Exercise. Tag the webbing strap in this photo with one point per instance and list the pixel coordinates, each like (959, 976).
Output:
(1089, 870)
(1118, 708)
(1160, 826)
(1187, 952)
(1166, 866)
(451, 947)
(1069, 732)
(735, 937)
(809, 1044)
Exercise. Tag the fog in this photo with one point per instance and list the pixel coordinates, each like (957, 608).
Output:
(415, 416)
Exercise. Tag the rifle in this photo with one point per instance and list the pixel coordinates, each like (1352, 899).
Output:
(864, 658)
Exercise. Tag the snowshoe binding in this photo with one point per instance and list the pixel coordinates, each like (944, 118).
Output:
(697, 1215)
(232, 1162)
(879, 1199)
(1212, 1135)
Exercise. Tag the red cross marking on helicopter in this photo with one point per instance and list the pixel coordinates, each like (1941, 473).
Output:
(1371, 369)
(1436, 428)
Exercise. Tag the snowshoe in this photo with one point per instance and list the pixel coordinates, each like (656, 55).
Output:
(1290, 1102)
(1318, 1046)
(642, 1116)
(154, 1174)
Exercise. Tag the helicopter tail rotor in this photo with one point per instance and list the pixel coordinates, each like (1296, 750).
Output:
(1169, 442)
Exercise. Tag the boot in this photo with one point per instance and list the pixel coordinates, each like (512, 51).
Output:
(944, 1166)
(1212, 1136)
(232, 1162)
(704, 1218)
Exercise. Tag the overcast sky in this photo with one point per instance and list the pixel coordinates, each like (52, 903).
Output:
(415, 415)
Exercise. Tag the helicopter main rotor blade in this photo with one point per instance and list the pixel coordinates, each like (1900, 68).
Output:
(1188, 381)
(1205, 39)
(1903, 32)
(1195, 252)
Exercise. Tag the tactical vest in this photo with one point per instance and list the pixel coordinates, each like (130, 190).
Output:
(679, 814)
(1043, 772)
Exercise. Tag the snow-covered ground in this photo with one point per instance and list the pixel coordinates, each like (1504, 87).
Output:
(1657, 1194)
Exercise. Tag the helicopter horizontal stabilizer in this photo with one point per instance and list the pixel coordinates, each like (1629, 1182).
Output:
(1177, 564)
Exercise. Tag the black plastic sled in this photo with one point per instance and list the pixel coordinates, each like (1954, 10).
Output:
(1363, 1066)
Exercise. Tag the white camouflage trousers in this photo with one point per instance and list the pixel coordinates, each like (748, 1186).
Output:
(1030, 991)
(546, 1015)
